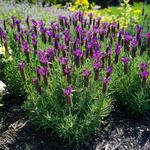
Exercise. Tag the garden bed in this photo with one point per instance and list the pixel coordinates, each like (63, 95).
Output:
(76, 80)
(120, 132)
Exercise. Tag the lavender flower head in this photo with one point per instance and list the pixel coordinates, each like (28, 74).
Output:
(134, 43)
(78, 53)
(43, 60)
(44, 71)
(43, 57)
(38, 70)
(148, 35)
(138, 29)
(26, 47)
(64, 60)
(68, 91)
(18, 22)
(109, 70)
(97, 66)
(106, 80)
(68, 71)
(148, 39)
(117, 49)
(105, 84)
(127, 37)
(86, 73)
(34, 23)
(125, 60)
(21, 65)
(50, 53)
(144, 74)
(97, 55)
(90, 15)
(143, 66)
(35, 81)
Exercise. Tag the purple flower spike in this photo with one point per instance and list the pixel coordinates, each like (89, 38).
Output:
(21, 65)
(86, 73)
(117, 49)
(105, 84)
(68, 72)
(143, 66)
(78, 55)
(138, 29)
(26, 47)
(109, 70)
(45, 73)
(106, 80)
(148, 35)
(134, 43)
(18, 25)
(35, 81)
(90, 15)
(125, 60)
(148, 39)
(43, 60)
(144, 74)
(117, 52)
(38, 71)
(127, 37)
(18, 21)
(97, 55)
(34, 23)
(64, 60)
(97, 66)
(68, 92)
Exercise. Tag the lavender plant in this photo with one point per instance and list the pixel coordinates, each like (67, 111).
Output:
(71, 69)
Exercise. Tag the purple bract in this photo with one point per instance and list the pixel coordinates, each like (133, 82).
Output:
(68, 91)
(125, 60)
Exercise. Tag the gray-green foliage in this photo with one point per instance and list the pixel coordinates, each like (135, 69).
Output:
(126, 88)
(74, 124)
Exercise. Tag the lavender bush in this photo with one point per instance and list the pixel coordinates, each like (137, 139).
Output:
(71, 69)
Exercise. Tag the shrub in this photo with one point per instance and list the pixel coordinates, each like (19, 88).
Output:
(49, 73)
(13, 80)
(126, 88)
(66, 68)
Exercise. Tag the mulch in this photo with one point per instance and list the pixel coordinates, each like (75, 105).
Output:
(120, 132)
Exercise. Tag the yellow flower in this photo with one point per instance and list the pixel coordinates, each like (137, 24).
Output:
(3, 49)
(137, 12)
(81, 3)
(72, 9)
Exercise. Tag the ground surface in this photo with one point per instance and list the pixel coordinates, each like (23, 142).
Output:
(119, 133)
